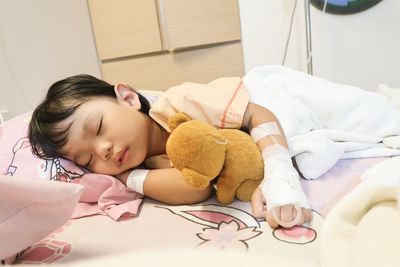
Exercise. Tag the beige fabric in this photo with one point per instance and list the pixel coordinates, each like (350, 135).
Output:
(221, 103)
(362, 230)
(377, 239)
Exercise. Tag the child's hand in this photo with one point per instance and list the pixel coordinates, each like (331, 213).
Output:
(286, 213)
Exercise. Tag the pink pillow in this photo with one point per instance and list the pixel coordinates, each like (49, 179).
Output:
(102, 194)
(20, 212)
(30, 210)
(16, 158)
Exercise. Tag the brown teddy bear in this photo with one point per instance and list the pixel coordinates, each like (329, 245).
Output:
(203, 153)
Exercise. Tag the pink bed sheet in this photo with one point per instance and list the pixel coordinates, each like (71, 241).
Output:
(208, 224)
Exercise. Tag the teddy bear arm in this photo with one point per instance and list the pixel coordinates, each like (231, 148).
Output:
(246, 189)
(196, 180)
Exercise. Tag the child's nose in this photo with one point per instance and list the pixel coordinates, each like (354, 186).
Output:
(104, 150)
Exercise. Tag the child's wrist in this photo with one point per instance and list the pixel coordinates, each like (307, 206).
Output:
(135, 180)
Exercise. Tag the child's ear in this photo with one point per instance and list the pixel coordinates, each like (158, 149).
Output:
(127, 96)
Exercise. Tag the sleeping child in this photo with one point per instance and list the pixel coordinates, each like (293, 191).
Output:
(112, 129)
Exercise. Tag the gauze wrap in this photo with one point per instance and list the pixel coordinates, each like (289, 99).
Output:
(281, 184)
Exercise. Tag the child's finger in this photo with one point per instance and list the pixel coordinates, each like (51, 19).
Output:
(302, 217)
(286, 214)
(258, 204)
(270, 220)
(307, 215)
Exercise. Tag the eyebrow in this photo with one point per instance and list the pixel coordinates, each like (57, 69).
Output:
(86, 122)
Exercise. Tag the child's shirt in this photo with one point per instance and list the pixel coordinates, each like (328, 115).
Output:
(221, 103)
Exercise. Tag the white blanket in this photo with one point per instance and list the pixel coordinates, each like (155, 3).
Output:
(362, 229)
(325, 121)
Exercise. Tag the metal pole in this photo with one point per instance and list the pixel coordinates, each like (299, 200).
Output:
(308, 37)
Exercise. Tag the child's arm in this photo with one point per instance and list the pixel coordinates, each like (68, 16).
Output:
(168, 186)
(281, 187)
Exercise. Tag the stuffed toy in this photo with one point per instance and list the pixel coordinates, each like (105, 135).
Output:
(203, 153)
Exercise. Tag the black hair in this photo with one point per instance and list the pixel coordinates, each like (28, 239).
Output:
(45, 134)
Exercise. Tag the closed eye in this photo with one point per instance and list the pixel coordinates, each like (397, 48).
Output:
(100, 125)
(87, 165)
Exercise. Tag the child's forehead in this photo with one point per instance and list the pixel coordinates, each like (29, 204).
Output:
(91, 110)
(82, 109)
(93, 105)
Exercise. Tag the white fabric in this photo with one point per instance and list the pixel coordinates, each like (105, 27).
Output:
(264, 130)
(281, 185)
(136, 180)
(392, 93)
(346, 121)
(317, 151)
(361, 230)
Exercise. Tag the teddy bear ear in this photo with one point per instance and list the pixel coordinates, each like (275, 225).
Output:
(175, 120)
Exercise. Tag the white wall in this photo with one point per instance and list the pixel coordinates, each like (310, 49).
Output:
(360, 49)
(265, 25)
(42, 41)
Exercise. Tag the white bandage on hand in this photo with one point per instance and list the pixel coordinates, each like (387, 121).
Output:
(281, 185)
(136, 179)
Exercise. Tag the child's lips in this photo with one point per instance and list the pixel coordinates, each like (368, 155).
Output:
(123, 156)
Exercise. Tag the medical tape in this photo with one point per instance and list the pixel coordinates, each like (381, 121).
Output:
(275, 149)
(264, 130)
(136, 180)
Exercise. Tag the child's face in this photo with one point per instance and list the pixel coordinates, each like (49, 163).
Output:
(107, 136)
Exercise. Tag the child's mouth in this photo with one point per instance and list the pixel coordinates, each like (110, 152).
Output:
(123, 157)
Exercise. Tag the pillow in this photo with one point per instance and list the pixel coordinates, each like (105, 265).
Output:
(32, 210)
(16, 159)
(102, 193)
(23, 218)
